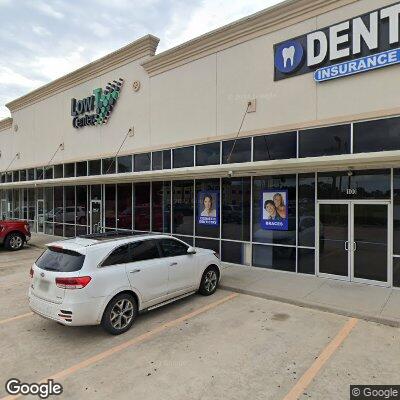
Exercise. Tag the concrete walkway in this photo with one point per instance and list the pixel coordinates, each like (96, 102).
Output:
(372, 303)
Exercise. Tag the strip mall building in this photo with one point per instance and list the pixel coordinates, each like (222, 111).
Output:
(274, 140)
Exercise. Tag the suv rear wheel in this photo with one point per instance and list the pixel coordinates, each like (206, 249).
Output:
(14, 241)
(209, 281)
(119, 314)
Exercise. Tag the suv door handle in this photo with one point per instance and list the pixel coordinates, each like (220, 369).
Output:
(134, 271)
(172, 264)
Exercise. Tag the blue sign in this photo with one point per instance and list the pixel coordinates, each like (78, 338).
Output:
(208, 208)
(364, 64)
(288, 56)
(274, 210)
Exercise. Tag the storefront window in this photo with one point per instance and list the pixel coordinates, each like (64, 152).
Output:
(142, 162)
(81, 205)
(69, 205)
(48, 172)
(22, 175)
(9, 176)
(109, 206)
(236, 253)
(81, 168)
(236, 151)
(182, 214)
(166, 159)
(142, 206)
(207, 244)
(15, 176)
(108, 166)
(161, 203)
(69, 170)
(124, 206)
(274, 209)
(207, 209)
(306, 207)
(39, 173)
(378, 135)
(327, 141)
(306, 261)
(31, 174)
(188, 240)
(367, 184)
(208, 154)
(275, 147)
(32, 205)
(94, 167)
(396, 271)
(16, 204)
(236, 201)
(156, 160)
(274, 257)
(58, 171)
(183, 157)
(48, 211)
(124, 164)
(396, 213)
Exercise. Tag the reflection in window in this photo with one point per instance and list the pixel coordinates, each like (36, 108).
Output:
(368, 184)
(124, 164)
(109, 206)
(208, 154)
(183, 157)
(95, 167)
(81, 205)
(274, 257)
(275, 147)
(161, 203)
(236, 151)
(306, 261)
(235, 253)
(108, 166)
(182, 200)
(69, 206)
(327, 141)
(274, 183)
(378, 135)
(209, 188)
(141, 162)
(124, 206)
(236, 208)
(306, 207)
(142, 206)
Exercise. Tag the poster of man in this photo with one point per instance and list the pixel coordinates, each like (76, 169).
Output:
(274, 215)
(208, 208)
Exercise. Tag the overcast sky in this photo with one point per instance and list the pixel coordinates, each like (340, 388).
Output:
(41, 40)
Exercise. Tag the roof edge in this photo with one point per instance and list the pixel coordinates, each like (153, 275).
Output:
(271, 19)
(145, 46)
(6, 123)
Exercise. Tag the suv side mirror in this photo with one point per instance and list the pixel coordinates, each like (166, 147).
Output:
(191, 250)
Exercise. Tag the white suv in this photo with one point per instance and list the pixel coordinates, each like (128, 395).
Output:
(90, 281)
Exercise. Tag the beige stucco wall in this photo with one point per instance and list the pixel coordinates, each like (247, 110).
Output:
(203, 100)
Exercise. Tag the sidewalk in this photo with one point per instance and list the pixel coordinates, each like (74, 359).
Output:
(39, 240)
(362, 301)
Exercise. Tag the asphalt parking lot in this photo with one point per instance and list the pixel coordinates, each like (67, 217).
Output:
(226, 346)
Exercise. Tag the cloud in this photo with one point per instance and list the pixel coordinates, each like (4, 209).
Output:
(63, 35)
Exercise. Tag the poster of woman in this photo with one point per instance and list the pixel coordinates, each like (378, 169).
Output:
(208, 208)
(274, 210)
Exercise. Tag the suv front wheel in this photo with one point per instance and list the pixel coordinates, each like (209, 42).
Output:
(14, 241)
(119, 314)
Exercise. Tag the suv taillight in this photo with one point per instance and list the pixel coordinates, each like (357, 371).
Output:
(73, 283)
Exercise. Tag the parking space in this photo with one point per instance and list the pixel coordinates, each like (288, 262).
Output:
(226, 346)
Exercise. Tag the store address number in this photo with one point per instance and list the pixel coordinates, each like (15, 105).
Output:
(351, 191)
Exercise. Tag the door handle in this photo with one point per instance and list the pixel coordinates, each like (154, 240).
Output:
(135, 270)
(346, 245)
(354, 246)
(172, 264)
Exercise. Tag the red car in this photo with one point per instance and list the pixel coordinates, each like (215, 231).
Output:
(13, 234)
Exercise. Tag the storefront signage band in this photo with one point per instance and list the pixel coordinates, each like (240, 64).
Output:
(349, 45)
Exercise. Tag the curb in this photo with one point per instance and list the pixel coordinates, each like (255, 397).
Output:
(316, 306)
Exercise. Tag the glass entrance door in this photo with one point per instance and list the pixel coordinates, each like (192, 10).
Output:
(96, 216)
(353, 241)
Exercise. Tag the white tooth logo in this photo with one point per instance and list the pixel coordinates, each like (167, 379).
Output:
(288, 55)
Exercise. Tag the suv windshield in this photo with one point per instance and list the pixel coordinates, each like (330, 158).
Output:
(61, 260)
